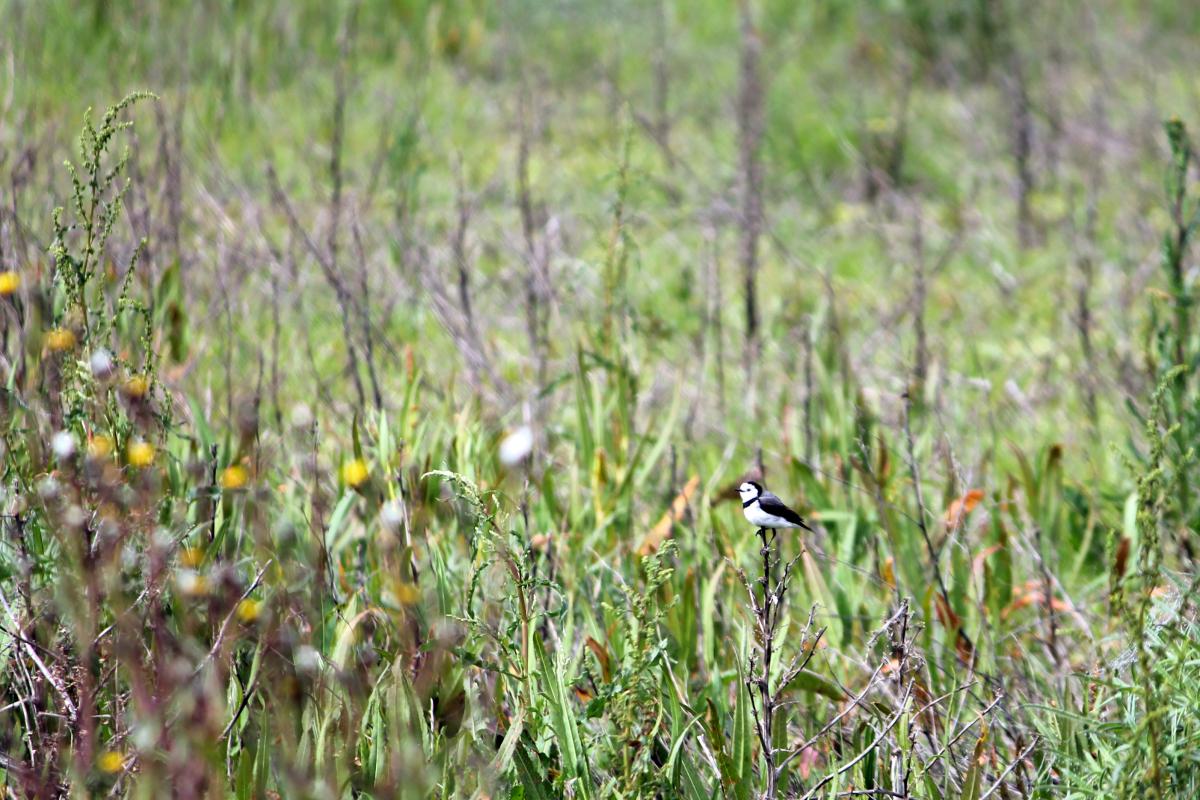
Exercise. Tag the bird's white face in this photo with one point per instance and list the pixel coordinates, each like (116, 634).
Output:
(748, 491)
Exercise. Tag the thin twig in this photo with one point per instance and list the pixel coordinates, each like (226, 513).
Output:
(36, 659)
(220, 638)
(1000, 781)
(849, 766)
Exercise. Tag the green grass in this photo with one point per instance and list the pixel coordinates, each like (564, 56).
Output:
(296, 593)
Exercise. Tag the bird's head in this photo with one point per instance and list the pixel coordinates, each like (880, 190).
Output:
(749, 490)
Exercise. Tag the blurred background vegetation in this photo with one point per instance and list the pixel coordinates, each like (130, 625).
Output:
(379, 438)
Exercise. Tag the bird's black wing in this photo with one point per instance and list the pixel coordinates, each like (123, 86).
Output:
(773, 505)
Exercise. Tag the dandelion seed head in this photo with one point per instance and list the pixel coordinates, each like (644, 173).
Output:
(48, 488)
(74, 517)
(516, 446)
(101, 363)
(63, 445)
(191, 583)
(391, 516)
(307, 659)
(301, 416)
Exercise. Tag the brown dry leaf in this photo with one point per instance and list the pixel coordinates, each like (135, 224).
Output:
(964, 648)
(945, 614)
(977, 562)
(602, 656)
(1122, 558)
(1033, 597)
(659, 533)
(961, 507)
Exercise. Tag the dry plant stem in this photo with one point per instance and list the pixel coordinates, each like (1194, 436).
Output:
(30, 651)
(223, 630)
(750, 131)
(662, 82)
(869, 748)
(1047, 597)
(536, 315)
(329, 270)
(915, 474)
(921, 370)
(1022, 145)
(365, 307)
(768, 612)
(828, 726)
(809, 435)
(1019, 759)
(1083, 304)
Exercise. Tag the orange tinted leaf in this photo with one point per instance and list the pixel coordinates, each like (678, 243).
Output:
(977, 562)
(601, 655)
(945, 614)
(660, 532)
(1033, 597)
(888, 573)
(961, 507)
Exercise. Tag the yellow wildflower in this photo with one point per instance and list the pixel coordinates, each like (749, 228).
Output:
(60, 339)
(355, 472)
(110, 762)
(9, 282)
(137, 386)
(191, 557)
(99, 446)
(234, 477)
(407, 593)
(247, 611)
(140, 454)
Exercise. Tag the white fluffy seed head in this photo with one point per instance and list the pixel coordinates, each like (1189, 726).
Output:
(63, 445)
(516, 446)
(391, 516)
(102, 364)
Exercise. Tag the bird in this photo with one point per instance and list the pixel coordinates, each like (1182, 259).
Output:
(765, 510)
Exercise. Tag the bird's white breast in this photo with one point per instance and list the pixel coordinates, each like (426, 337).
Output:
(759, 518)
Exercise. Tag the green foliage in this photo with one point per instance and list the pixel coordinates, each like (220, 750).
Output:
(220, 574)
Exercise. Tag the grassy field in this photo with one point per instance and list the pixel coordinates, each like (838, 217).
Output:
(378, 376)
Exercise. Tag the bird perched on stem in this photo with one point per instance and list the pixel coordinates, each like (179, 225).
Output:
(765, 510)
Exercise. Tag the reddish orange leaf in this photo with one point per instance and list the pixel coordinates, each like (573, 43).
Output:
(660, 532)
(962, 506)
